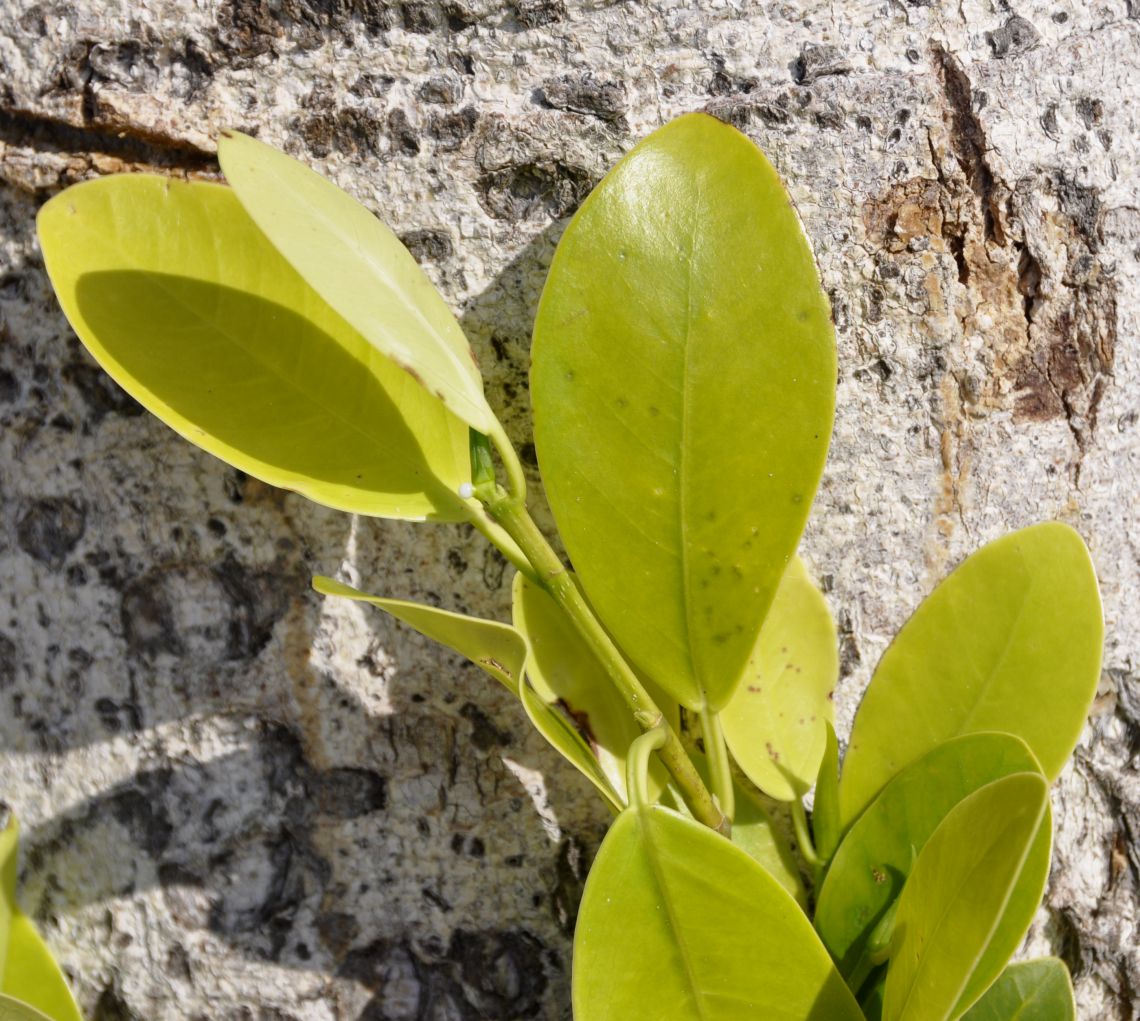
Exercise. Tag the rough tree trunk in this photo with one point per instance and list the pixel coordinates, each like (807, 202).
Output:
(242, 802)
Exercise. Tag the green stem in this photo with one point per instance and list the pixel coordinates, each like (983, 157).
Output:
(516, 477)
(637, 764)
(554, 577)
(498, 538)
(719, 768)
(803, 837)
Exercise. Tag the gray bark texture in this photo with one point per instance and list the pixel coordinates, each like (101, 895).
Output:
(241, 801)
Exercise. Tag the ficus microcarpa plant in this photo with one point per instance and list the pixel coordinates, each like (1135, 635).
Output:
(683, 384)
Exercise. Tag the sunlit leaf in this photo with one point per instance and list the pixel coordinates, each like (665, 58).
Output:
(878, 852)
(568, 676)
(676, 923)
(954, 898)
(184, 302)
(360, 268)
(497, 649)
(776, 722)
(29, 975)
(683, 385)
(1011, 641)
(1030, 991)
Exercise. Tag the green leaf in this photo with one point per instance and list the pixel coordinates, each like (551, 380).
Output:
(776, 723)
(676, 923)
(878, 852)
(568, 677)
(683, 385)
(956, 894)
(17, 1010)
(497, 649)
(188, 307)
(29, 975)
(1011, 641)
(360, 268)
(825, 811)
(1030, 991)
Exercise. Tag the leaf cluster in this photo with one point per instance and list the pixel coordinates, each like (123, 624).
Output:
(683, 384)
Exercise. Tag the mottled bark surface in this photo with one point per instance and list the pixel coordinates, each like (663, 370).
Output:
(242, 802)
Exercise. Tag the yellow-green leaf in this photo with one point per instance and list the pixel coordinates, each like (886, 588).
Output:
(29, 975)
(872, 864)
(677, 924)
(360, 268)
(1038, 990)
(1010, 641)
(776, 723)
(497, 649)
(954, 899)
(683, 385)
(187, 305)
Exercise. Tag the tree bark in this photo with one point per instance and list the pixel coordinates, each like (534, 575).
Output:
(242, 801)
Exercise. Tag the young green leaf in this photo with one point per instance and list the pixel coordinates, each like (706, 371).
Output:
(29, 975)
(683, 384)
(954, 899)
(678, 923)
(878, 852)
(497, 649)
(1011, 641)
(567, 675)
(360, 268)
(188, 307)
(1030, 991)
(776, 723)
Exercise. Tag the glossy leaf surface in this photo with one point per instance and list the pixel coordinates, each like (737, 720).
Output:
(776, 723)
(826, 830)
(1038, 990)
(676, 923)
(497, 649)
(1010, 641)
(683, 384)
(955, 896)
(188, 307)
(360, 268)
(878, 852)
(28, 972)
(567, 676)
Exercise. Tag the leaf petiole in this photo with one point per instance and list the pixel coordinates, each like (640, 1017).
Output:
(720, 769)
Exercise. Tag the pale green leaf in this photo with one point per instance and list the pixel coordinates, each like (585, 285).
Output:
(360, 268)
(878, 852)
(1030, 991)
(188, 307)
(776, 723)
(676, 923)
(1010, 641)
(497, 649)
(683, 386)
(955, 896)
(29, 975)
